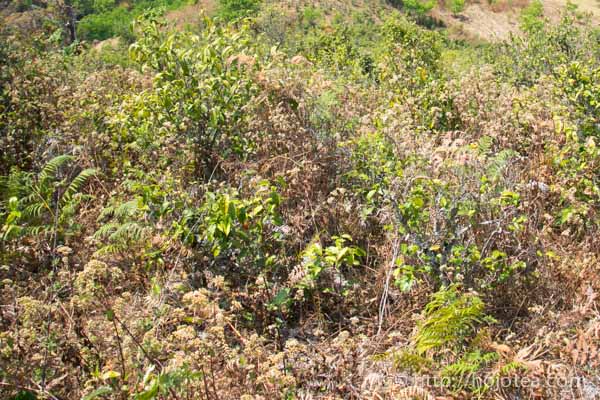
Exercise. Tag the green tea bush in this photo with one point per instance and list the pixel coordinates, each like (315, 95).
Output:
(545, 47)
(532, 17)
(199, 96)
(417, 7)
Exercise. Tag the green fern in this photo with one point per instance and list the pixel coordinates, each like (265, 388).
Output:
(450, 317)
(50, 170)
(498, 163)
(406, 360)
(459, 374)
(123, 228)
(77, 184)
(485, 144)
(43, 203)
(469, 363)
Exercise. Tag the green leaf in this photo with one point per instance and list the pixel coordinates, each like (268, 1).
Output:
(371, 194)
(101, 391)
(110, 375)
(24, 395)
(149, 393)
(225, 227)
(418, 202)
(281, 297)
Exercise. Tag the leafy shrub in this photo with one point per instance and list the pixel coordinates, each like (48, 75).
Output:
(335, 50)
(310, 17)
(105, 25)
(197, 95)
(317, 260)
(409, 49)
(240, 234)
(274, 22)
(211, 263)
(525, 59)
(102, 20)
(418, 7)
(31, 76)
(457, 6)
(233, 9)
(532, 17)
(580, 87)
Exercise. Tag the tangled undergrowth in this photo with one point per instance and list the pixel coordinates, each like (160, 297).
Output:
(330, 207)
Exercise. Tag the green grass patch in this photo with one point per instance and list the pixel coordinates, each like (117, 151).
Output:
(117, 21)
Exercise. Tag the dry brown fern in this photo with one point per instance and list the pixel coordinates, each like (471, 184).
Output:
(410, 393)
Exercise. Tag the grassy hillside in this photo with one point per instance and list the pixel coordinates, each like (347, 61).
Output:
(298, 200)
(497, 20)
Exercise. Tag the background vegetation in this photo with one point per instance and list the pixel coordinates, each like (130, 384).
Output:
(297, 200)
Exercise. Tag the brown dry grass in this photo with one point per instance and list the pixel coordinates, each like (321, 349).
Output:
(552, 8)
(480, 21)
(495, 22)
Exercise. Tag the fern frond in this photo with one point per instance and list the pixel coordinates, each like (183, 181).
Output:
(128, 231)
(127, 209)
(50, 170)
(450, 317)
(31, 198)
(16, 184)
(485, 144)
(511, 367)
(109, 249)
(106, 212)
(37, 230)
(105, 230)
(77, 183)
(34, 210)
(120, 211)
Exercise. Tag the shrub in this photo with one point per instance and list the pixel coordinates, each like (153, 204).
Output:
(103, 20)
(532, 17)
(198, 95)
(105, 25)
(545, 47)
(277, 209)
(457, 6)
(417, 7)
(310, 17)
(233, 9)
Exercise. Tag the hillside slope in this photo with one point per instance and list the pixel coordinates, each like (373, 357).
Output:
(496, 21)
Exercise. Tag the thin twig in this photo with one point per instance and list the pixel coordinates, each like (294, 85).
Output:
(386, 288)
(121, 356)
(52, 294)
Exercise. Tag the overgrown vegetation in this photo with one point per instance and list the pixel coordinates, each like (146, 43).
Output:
(295, 201)
(103, 21)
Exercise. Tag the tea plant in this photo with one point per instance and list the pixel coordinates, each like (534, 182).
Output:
(198, 95)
